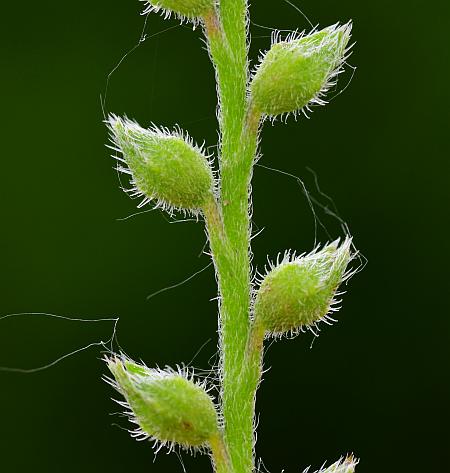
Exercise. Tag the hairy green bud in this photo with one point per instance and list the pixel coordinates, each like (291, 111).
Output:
(165, 166)
(297, 72)
(299, 292)
(165, 404)
(184, 9)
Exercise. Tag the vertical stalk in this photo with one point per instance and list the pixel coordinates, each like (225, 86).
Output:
(230, 245)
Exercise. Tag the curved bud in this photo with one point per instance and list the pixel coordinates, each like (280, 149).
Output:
(165, 404)
(344, 465)
(300, 291)
(297, 72)
(165, 166)
(183, 9)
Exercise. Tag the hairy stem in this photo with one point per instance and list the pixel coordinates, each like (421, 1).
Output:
(229, 223)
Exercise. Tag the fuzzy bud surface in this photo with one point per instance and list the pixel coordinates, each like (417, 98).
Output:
(182, 8)
(166, 405)
(300, 291)
(295, 73)
(165, 166)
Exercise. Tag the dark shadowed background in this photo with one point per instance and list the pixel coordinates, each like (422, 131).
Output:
(377, 383)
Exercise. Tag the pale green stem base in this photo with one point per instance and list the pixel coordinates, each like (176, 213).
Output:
(219, 455)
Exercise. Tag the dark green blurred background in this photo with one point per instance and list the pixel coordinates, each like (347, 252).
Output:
(377, 383)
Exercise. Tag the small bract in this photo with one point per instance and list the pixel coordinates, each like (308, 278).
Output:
(300, 291)
(165, 166)
(297, 72)
(166, 405)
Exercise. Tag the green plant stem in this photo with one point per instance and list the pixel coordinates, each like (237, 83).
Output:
(229, 223)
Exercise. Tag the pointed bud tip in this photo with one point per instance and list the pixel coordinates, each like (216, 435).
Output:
(344, 465)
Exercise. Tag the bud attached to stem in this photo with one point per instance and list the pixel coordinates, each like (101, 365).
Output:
(165, 404)
(165, 166)
(297, 72)
(299, 292)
